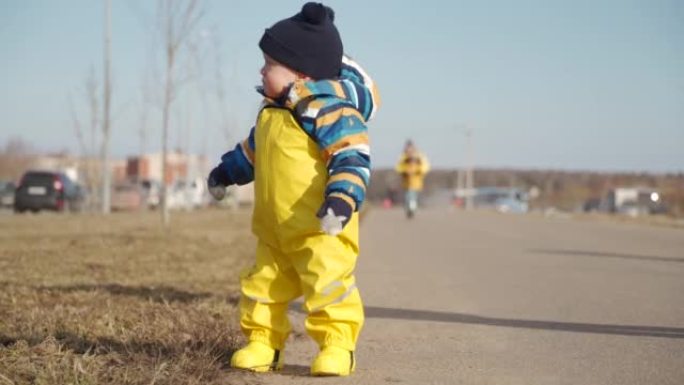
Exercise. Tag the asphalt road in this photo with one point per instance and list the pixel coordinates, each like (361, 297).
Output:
(457, 297)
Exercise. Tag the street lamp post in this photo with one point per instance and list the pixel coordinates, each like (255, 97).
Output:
(469, 182)
(465, 178)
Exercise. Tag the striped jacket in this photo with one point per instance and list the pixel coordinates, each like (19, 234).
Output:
(334, 114)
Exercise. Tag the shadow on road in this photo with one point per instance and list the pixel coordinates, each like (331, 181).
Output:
(603, 254)
(424, 315)
(462, 318)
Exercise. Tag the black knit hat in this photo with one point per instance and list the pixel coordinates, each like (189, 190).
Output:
(307, 42)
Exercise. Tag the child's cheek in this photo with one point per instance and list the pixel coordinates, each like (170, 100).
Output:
(274, 88)
(273, 91)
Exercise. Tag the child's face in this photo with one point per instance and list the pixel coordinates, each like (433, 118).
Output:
(276, 77)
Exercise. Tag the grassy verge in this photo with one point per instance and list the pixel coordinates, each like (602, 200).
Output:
(87, 299)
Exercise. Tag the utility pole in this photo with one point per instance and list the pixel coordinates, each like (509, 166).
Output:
(469, 170)
(459, 179)
(107, 93)
(465, 177)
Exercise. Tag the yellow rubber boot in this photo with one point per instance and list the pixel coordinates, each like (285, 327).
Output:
(333, 361)
(257, 357)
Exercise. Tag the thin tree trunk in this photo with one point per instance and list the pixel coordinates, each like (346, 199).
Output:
(106, 174)
(165, 118)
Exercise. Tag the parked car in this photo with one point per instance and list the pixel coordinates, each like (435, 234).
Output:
(151, 193)
(47, 190)
(7, 194)
(188, 195)
(503, 199)
(127, 196)
(592, 205)
(635, 201)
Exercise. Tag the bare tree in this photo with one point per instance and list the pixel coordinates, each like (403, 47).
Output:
(88, 141)
(198, 56)
(78, 130)
(91, 92)
(106, 99)
(146, 101)
(179, 21)
(15, 158)
(227, 112)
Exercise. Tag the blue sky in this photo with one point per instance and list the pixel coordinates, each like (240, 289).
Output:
(592, 85)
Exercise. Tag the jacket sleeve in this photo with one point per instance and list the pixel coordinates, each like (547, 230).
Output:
(359, 88)
(337, 122)
(342, 136)
(238, 164)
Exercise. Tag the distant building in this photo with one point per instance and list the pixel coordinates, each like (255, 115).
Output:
(179, 167)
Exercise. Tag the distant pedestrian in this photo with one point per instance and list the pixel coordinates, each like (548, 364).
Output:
(412, 167)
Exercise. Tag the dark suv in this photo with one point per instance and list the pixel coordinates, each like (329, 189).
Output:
(44, 190)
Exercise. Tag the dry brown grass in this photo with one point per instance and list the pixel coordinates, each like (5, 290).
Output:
(88, 299)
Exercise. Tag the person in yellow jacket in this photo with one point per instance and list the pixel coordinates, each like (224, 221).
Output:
(412, 167)
(309, 158)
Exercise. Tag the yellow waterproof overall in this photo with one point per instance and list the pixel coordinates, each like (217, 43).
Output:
(293, 256)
